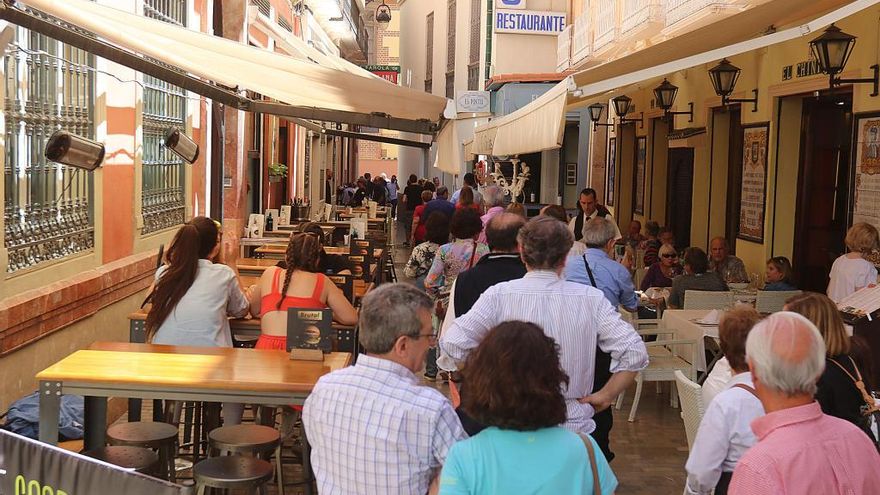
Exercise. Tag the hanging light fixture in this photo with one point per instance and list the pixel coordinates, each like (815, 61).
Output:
(622, 105)
(724, 77)
(383, 15)
(181, 145)
(665, 97)
(596, 114)
(832, 50)
(75, 151)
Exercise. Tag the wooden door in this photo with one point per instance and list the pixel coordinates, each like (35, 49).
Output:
(680, 189)
(823, 188)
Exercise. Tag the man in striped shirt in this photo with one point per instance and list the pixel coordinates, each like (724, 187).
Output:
(577, 316)
(373, 427)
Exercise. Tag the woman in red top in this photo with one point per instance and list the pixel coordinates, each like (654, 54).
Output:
(296, 287)
(419, 229)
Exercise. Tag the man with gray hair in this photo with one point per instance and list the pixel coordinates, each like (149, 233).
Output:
(577, 316)
(493, 201)
(372, 426)
(800, 449)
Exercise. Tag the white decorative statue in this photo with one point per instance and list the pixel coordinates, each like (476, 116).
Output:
(518, 180)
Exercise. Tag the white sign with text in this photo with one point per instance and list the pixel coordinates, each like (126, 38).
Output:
(529, 22)
(472, 102)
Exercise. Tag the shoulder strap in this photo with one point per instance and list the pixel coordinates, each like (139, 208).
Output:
(319, 287)
(591, 453)
(473, 254)
(858, 382)
(579, 226)
(590, 272)
(747, 389)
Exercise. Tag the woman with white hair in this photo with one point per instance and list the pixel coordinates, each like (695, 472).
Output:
(661, 273)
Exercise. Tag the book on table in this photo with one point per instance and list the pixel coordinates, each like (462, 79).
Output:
(309, 328)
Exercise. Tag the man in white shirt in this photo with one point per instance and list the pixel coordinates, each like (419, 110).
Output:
(373, 427)
(577, 316)
(725, 432)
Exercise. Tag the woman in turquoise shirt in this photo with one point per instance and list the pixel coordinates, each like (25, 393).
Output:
(514, 385)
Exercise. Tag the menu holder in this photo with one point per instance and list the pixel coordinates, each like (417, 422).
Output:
(357, 228)
(284, 216)
(361, 264)
(863, 304)
(361, 246)
(345, 283)
(309, 329)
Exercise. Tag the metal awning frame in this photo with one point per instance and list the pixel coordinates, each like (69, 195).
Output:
(227, 96)
(315, 127)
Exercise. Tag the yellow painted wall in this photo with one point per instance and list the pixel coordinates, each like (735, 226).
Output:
(761, 69)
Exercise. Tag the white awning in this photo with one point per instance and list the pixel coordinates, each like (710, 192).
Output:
(298, 83)
(540, 125)
(449, 149)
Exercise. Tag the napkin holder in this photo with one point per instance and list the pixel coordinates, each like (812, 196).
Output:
(306, 354)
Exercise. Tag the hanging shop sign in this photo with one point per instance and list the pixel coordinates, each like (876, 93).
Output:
(529, 22)
(472, 102)
(390, 73)
(510, 4)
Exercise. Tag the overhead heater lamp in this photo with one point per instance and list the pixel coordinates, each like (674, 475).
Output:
(181, 145)
(75, 151)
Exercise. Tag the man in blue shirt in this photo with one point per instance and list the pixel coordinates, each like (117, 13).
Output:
(440, 204)
(597, 268)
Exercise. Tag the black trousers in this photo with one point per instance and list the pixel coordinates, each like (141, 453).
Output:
(605, 419)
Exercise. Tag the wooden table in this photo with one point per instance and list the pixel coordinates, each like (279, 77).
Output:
(251, 269)
(209, 374)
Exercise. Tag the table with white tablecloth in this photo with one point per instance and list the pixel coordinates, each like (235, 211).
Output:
(682, 322)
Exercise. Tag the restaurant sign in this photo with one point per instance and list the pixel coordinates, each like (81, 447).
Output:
(801, 69)
(529, 22)
(390, 73)
(28, 467)
(472, 102)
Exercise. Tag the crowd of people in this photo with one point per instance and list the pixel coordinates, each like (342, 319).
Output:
(524, 317)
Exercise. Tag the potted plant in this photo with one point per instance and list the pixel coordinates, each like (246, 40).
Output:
(277, 171)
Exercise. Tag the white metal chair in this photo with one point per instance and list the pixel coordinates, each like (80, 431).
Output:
(665, 357)
(771, 301)
(704, 299)
(692, 408)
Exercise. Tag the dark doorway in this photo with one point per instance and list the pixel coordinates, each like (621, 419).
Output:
(823, 188)
(734, 176)
(680, 190)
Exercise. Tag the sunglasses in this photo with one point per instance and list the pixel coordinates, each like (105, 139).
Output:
(669, 256)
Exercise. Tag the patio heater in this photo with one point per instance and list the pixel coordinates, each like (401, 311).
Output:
(74, 151)
(832, 50)
(181, 145)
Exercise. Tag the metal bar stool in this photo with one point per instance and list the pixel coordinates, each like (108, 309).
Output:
(151, 435)
(233, 472)
(253, 439)
(138, 459)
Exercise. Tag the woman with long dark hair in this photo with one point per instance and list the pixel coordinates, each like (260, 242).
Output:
(192, 297)
(297, 286)
(515, 384)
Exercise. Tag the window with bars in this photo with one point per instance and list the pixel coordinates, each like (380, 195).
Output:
(163, 196)
(429, 52)
(285, 25)
(48, 208)
(450, 49)
(474, 57)
(263, 6)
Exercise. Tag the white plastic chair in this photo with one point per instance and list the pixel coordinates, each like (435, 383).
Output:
(771, 301)
(692, 408)
(664, 359)
(646, 327)
(705, 299)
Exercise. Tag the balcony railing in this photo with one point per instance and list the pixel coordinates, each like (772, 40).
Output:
(606, 22)
(563, 49)
(640, 17)
(581, 39)
(697, 11)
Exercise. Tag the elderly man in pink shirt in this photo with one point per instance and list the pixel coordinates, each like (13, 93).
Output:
(800, 450)
(493, 198)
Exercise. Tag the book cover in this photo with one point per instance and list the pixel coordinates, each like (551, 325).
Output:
(345, 283)
(309, 328)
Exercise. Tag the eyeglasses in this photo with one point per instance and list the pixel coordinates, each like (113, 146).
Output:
(432, 336)
(669, 255)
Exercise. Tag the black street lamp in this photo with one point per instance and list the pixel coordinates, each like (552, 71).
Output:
(622, 105)
(665, 97)
(832, 50)
(75, 151)
(596, 114)
(724, 77)
(383, 15)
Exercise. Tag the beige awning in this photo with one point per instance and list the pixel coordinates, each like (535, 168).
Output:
(540, 124)
(285, 79)
(469, 148)
(449, 149)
